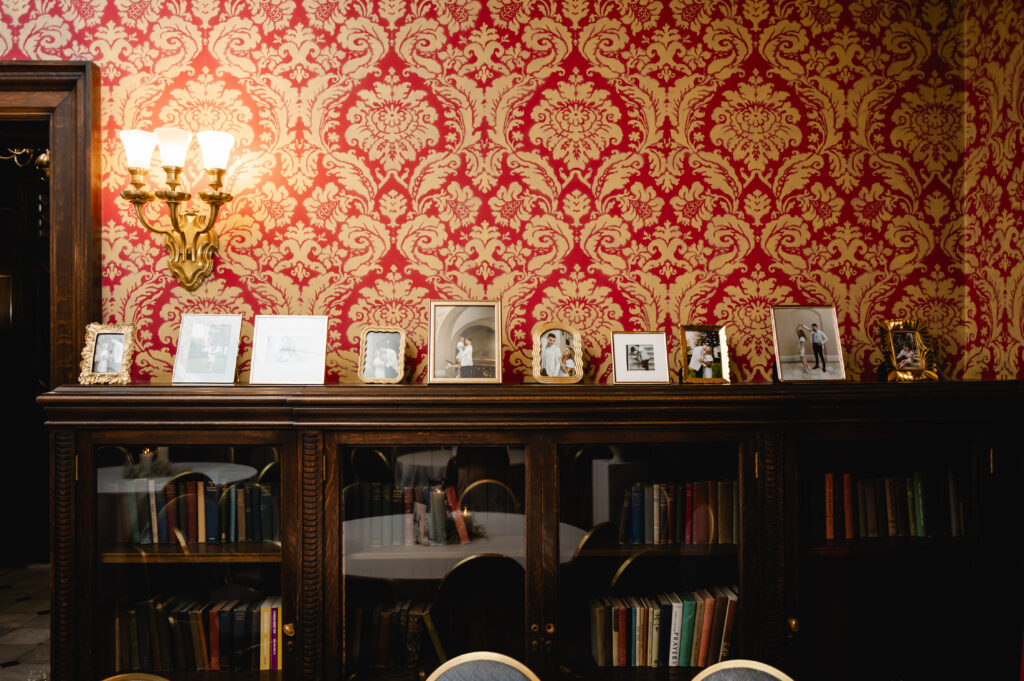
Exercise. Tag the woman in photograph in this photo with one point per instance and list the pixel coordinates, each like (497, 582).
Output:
(568, 366)
(466, 359)
(379, 363)
(802, 339)
(698, 362)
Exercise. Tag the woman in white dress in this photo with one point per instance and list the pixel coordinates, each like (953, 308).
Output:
(568, 366)
(802, 339)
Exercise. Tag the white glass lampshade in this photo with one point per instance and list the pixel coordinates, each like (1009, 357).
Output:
(216, 147)
(138, 147)
(173, 146)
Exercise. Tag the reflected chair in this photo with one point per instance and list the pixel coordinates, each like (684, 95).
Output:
(488, 494)
(483, 666)
(479, 606)
(371, 465)
(741, 670)
(136, 676)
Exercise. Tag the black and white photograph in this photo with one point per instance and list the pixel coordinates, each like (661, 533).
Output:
(706, 359)
(807, 346)
(107, 354)
(382, 355)
(289, 349)
(557, 354)
(207, 348)
(639, 357)
(465, 342)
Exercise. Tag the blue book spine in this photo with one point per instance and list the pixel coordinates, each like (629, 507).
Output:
(212, 512)
(665, 633)
(637, 512)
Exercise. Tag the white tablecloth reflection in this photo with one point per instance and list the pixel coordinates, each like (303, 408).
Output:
(504, 534)
(109, 480)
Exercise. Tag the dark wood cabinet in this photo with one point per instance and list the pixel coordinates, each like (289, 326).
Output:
(539, 475)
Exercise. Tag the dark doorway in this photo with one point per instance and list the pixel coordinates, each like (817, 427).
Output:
(24, 335)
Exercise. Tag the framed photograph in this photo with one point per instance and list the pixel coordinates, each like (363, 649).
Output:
(289, 349)
(382, 355)
(807, 346)
(908, 352)
(557, 353)
(207, 348)
(465, 342)
(639, 357)
(107, 355)
(705, 354)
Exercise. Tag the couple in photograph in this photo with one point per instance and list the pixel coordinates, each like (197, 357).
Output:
(385, 363)
(818, 340)
(463, 363)
(554, 360)
(701, 360)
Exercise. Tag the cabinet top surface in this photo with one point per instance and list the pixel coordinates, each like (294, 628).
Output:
(419, 405)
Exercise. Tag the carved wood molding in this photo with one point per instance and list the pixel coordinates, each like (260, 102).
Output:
(311, 585)
(62, 547)
(771, 535)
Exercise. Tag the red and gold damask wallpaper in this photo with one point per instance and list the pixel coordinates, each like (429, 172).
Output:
(619, 164)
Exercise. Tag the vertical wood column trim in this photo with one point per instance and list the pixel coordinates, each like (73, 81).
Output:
(334, 597)
(771, 547)
(62, 551)
(542, 555)
(311, 534)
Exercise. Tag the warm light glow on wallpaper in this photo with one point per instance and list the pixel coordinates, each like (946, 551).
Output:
(613, 165)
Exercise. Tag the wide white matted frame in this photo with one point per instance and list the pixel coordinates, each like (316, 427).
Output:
(207, 348)
(639, 357)
(289, 349)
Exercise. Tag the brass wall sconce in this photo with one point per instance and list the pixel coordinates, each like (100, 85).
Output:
(190, 240)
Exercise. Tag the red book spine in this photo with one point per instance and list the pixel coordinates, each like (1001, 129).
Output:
(214, 648)
(624, 637)
(700, 513)
(670, 534)
(193, 517)
(460, 522)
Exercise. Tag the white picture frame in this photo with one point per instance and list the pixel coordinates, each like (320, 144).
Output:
(289, 349)
(640, 357)
(207, 348)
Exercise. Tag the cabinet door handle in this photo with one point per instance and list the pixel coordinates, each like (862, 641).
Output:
(288, 629)
(794, 624)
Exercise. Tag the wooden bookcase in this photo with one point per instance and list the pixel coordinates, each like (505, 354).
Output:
(872, 607)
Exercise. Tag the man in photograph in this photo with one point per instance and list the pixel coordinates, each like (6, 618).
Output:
(818, 340)
(551, 357)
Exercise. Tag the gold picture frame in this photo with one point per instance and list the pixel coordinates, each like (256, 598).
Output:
(382, 354)
(107, 354)
(566, 363)
(456, 324)
(907, 351)
(711, 363)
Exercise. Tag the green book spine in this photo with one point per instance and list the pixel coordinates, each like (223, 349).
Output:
(686, 630)
(922, 530)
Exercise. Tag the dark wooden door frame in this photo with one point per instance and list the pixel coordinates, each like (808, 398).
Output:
(67, 95)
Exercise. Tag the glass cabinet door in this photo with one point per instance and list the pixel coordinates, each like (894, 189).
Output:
(433, 555)
(653, 577)
(188, 569)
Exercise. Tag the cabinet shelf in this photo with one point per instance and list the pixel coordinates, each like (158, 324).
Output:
(265, 552)
(900, 546)
(631, 674)
(668, 550)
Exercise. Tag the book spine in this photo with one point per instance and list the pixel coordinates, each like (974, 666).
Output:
(625, 517)
(919, 517)
(407, 524)
(686, 631)
(649, 514)
(154, 524)
(240, 519)
(637, 516)
(275, 614)
(849, 510)
(213, 636)
(171, 510)
(233, 514)
(890, 507)
(688, 517)
(829, 508)
(193, 512)
(670, 513)
(200, 511)
(460, 522)
(656, 513)
(212, 513)
(911, 515)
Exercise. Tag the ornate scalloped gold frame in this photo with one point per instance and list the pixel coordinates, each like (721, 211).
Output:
(928, 371)
(539, 331)
(92, 333)
(363, 353)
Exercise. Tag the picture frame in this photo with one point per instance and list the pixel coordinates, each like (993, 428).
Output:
(557, 353)
(705, 354)
(452, 323)
(907, 351)
(790, 324)
(207, 348)
(289, 349)
(107, 354)
(382, 355)
(639, 357)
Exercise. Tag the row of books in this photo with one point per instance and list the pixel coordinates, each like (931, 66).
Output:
(923, 504)
(402, 516)
(193, 511)
(164, 634)
(392, 635)
(681, 629)
(701, 512)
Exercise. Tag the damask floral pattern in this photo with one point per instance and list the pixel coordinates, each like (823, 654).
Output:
(634, 164)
